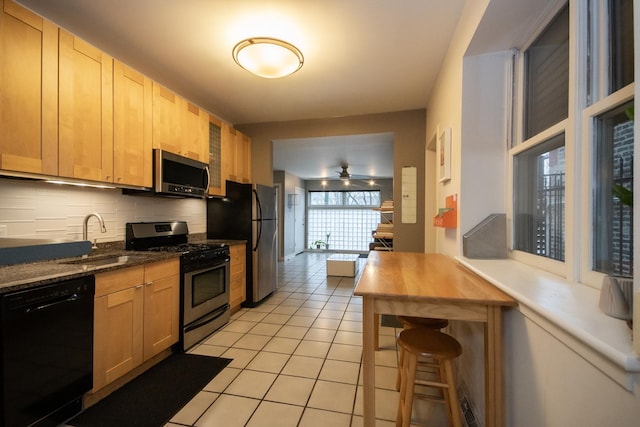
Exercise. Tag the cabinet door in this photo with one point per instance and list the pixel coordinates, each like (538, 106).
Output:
(161, 307)
(85, 110)
(118, 321)
(167, 119)
(237, 282)
(196, 139)
(132, 145)
(118, 317)
(229, 171)
(243, 157)
(28, 91)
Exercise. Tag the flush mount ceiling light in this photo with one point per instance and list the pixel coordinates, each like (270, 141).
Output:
(267, 57)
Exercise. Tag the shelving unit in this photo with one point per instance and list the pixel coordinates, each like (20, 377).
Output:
(383, 234)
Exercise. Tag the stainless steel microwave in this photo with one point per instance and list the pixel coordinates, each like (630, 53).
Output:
(179, 176)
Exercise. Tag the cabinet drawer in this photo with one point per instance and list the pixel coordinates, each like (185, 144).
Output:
(117, 280)
(161, 269)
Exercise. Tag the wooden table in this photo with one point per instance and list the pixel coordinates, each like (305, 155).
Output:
(431, 285)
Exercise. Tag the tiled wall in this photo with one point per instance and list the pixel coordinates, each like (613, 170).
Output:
(33, 209)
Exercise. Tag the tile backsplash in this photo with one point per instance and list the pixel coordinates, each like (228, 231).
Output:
(35, 209)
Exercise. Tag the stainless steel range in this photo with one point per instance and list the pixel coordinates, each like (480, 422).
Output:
(204, 269)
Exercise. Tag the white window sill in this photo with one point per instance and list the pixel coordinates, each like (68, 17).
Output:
(568, 311)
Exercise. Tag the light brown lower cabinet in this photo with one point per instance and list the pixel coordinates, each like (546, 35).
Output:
(136, 312)
(238, 280)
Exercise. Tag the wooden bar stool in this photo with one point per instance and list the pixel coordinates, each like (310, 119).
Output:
(442, 349)
(409, 322)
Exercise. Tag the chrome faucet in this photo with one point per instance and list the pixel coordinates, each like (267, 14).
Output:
(85, 224)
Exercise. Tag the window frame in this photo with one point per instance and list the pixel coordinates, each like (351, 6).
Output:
(520, 145)
(590, 116)
(589, 77)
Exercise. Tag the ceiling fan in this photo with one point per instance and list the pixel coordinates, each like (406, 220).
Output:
(354, 180)
(344, 174)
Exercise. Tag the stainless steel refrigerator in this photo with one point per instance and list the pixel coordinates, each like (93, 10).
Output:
(249, 213)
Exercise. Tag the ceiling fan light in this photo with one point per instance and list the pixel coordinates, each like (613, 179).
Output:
(268, 57)
(344, 174)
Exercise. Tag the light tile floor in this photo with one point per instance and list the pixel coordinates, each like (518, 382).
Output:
(296, 358)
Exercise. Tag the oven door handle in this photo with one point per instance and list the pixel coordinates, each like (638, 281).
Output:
(207, 319)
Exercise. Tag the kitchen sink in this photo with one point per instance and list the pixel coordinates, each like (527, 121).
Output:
(104, 260)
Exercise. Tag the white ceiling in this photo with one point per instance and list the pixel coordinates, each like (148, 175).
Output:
(361, 56)
(317, 158)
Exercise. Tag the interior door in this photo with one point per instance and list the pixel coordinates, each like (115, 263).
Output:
(299, 220)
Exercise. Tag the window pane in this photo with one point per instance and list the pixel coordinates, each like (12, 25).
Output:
(613, 216)
(621, 43)
(325, 198)
(547, 77)
(362, 198)
(539, 199)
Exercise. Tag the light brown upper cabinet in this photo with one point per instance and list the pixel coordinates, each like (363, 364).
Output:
(85, 110)
(179, 126)
(28, 91)
(167, 119)
(243, 157)
(236, 155)
(195, 141)
(132, 116)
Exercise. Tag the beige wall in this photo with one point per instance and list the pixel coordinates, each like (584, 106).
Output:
(445, 111)
(408, 128)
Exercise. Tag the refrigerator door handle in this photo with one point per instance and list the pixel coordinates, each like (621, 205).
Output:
(258, 220)
(259, 225)
(258, 204)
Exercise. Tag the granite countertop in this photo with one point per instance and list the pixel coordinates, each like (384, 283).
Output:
(28, 275)
(202, 238)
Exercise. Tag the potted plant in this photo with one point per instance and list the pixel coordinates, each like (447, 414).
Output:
(318, 244)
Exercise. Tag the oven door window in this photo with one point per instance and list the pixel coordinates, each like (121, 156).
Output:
(207, 285)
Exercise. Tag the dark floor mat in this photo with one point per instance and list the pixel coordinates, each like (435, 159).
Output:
(154, 397)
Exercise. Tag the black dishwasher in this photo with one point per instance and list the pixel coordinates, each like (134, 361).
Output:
(47, 352)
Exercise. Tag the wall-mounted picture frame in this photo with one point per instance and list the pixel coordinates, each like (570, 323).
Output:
(444, 155)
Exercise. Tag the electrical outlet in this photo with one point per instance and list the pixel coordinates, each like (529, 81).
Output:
(3, 231)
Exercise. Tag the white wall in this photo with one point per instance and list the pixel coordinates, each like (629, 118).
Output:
(548, 384)
(33, 209)
(444, 110)
(483, 160)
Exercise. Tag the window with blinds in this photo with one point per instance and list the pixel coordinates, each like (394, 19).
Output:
(546, 64)
(620, 43)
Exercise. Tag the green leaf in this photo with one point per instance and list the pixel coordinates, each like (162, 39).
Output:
(629, 112)
(625, 195)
